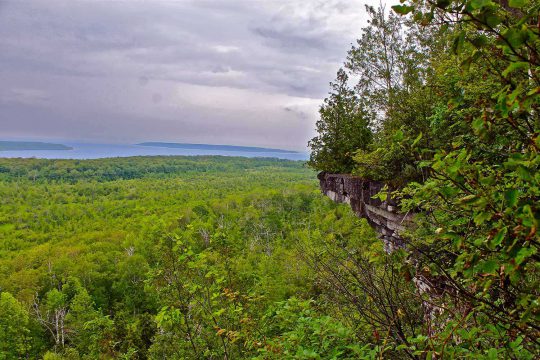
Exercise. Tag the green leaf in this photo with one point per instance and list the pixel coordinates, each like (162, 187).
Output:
(398, 135)
(489, 267)
(459, 40)
(477, 4)
(511, 197)
(448, 191)
(479, 41)
(492, 19)
(497, 239)
(516, 4)
(492, 354)
(515, 37)
(478, 125)
(402, 9)
(487, 180)
(515, 344)
(523, 254)
(524, 173)
(527, 216)
(514, 67)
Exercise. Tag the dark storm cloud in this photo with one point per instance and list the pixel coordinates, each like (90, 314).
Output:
(206, 71)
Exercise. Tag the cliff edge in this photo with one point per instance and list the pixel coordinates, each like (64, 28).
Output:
(359, 193)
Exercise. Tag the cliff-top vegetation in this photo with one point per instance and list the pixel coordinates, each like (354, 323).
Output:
(441, 100)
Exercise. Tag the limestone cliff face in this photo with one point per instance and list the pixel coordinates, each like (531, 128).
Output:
(358, 193)
(389, 223)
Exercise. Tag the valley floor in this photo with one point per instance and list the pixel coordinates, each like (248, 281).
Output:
(167, 257)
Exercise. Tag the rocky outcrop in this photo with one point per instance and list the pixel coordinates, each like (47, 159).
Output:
(389, 223)
(359, 193)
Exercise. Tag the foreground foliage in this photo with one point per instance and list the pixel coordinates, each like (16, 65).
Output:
(457, 130)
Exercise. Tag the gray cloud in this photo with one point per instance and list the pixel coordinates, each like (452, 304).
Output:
(240, 72)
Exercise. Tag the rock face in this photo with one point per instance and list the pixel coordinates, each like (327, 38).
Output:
(389, 223)
(358, 193)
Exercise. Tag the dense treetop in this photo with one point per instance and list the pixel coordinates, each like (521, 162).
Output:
(170, 257)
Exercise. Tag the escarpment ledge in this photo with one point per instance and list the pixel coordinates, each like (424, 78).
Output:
(390, 224)
(359, 194)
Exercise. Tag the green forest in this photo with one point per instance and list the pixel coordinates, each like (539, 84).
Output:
(169, 257)
(212, 257)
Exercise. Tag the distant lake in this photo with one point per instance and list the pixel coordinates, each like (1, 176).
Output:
(98, 151)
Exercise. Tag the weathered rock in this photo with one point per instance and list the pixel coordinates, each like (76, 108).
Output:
(389, 223)
(359, 193)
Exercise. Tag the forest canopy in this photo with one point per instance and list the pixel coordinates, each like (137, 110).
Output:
(171, 257)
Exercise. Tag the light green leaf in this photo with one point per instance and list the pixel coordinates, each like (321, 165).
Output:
(516, 4)
(468, 199)
(477, 4)
(418, 138)
(515, 66)
(489, 267)
(402, 9)
(481, 218)
(497, 240)
(523, 254)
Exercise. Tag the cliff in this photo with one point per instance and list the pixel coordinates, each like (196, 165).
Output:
(359, 193)
(389, 223)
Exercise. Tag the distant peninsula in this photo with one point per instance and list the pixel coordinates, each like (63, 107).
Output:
(216, 147)
(31, 145)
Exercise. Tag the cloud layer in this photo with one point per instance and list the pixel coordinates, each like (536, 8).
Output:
(231, 72)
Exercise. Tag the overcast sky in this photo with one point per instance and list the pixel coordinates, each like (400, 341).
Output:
(243, 72)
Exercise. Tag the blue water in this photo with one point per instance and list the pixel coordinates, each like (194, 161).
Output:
(98, 151)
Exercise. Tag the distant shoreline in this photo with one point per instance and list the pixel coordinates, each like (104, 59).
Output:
(99, 151)
(216, 147)
(31, 145)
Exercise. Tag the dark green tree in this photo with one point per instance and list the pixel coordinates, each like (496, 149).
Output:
(343, 128)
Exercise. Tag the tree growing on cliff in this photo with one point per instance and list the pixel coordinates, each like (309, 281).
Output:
(392, 62)
(343, 128)
(389, 70)
(377, 61)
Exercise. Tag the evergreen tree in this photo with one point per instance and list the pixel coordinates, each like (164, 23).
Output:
(343, 128)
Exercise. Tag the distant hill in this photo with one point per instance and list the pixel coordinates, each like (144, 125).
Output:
(215, 147)
(31, 145)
